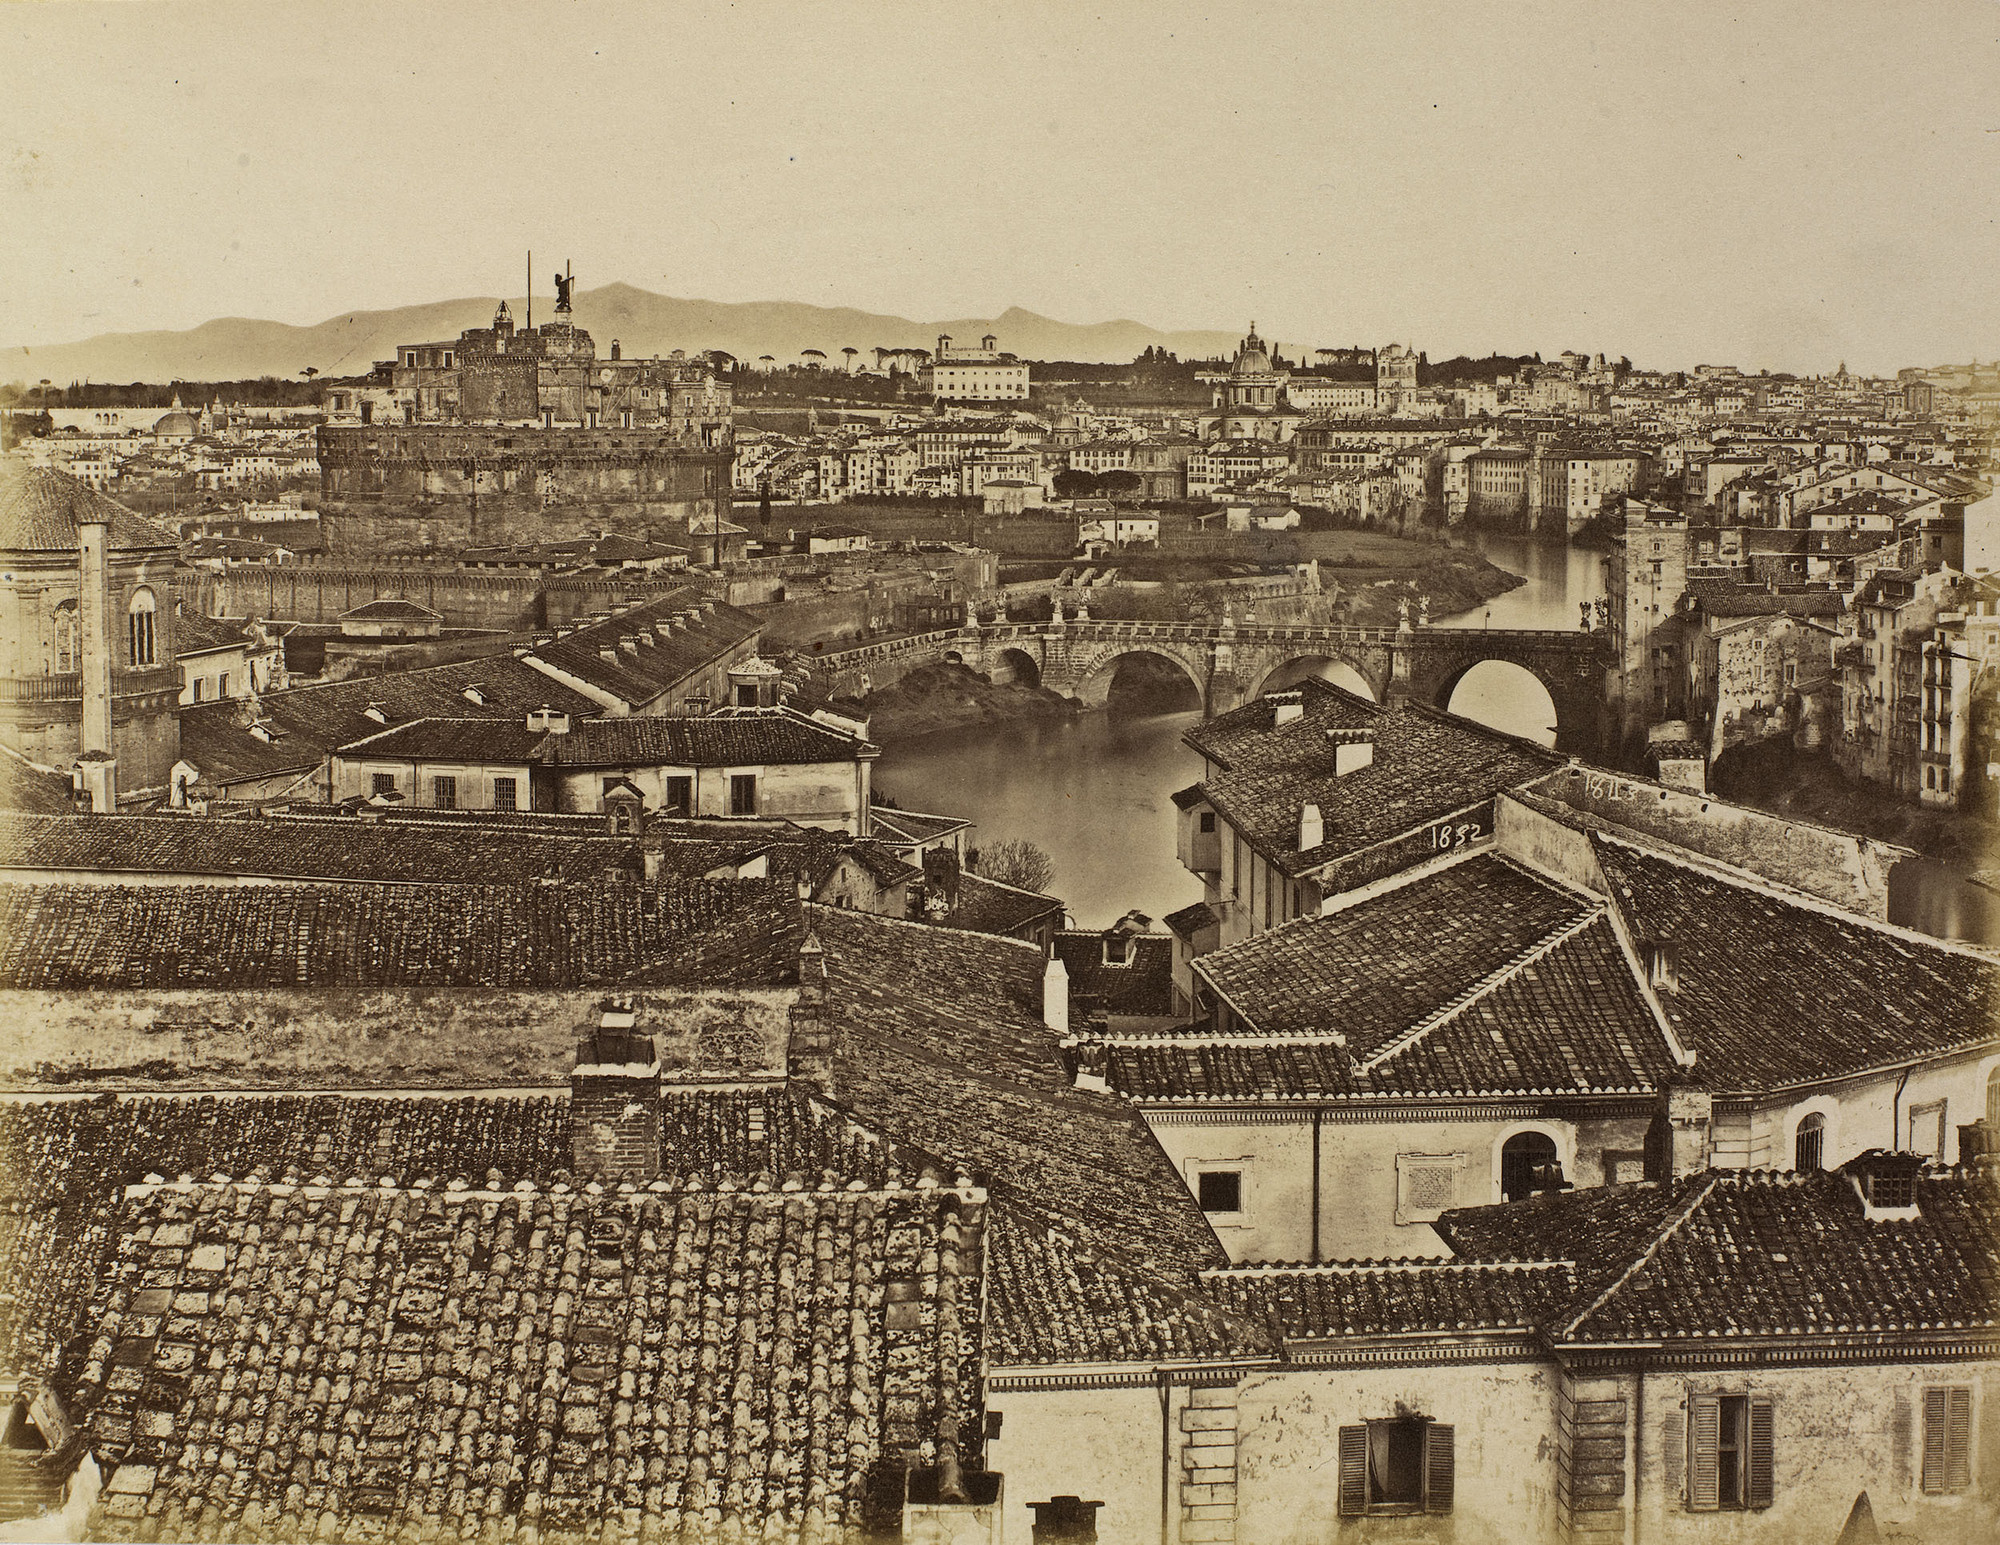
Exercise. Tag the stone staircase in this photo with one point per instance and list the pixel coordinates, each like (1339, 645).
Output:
(26, 1486)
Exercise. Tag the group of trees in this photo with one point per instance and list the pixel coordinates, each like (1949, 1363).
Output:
(1073, 483)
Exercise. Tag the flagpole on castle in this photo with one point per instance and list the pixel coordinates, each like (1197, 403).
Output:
(531, 287)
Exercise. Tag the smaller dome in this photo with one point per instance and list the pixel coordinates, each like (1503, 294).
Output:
(1251, 359)
(176, 426)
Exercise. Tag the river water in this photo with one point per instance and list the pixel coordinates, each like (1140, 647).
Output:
(1093, 792)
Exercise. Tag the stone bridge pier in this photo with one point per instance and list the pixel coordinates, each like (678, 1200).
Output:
(1228, 665)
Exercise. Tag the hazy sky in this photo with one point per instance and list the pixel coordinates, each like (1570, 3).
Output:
(1781, 186)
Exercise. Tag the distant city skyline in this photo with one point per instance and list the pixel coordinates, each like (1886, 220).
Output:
(1680, 188)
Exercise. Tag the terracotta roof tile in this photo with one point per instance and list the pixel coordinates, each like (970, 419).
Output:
(1748, 1253)
(942, 1045)
(1873, 994)
(709, 1357)
(321, 936)
(1427, 765)
(40, 509)
(1369, 1298)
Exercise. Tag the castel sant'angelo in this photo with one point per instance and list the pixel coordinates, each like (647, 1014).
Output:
(522, 432)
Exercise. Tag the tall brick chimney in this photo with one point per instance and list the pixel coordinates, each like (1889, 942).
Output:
(96, 758)
(809, 1052)
(1677, 1143)
(614, 1100)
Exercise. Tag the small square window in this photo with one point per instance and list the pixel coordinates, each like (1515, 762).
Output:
(1207, 821)
(1220, 1190)
(444, 793)
(504, 794)
(743, 794)
(382, 783)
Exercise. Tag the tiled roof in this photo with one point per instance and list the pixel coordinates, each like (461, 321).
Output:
(727, 737)
(196, 634)
(1479, 978)
(330, 848)
(1427, 764)
(988, 906)
(1868, 996)
(1368, 971)
(1053, 1299)
(730, 737)
(708, 631)
(322, 936)
(1370, 1298)
(40, 509)
(452, 740)
(26, 787)
(1720, 598)
(308, 722)
(942, 1046)
(1144, 986)
(1190, 920)
(717, 1358)
(390, 609)
(62, 1163)
(1746, 1253)
(912, 826)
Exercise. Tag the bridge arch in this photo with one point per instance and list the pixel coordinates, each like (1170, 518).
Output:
(1568, 670)
(1094, 675)
(1332, 668)
(1017, 666)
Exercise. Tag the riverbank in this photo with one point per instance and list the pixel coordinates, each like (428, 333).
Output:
(935, 698)
(1456, 580)
(1776, 779)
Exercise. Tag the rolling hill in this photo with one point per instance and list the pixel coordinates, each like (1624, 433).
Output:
(234, 348)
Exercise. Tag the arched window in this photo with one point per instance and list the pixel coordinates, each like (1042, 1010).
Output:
(139, 628)
(65, 630)
(1527, 1165)
(1809, 1143)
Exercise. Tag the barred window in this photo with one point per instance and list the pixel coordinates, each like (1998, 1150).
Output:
(143, 646)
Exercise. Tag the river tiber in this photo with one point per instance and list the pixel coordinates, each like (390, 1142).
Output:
(642, 920)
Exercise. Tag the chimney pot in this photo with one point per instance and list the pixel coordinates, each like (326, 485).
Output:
(1352, 750)
(1055, 996)
(1312, 828)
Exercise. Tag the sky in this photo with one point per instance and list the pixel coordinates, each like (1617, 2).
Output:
(1777, 186)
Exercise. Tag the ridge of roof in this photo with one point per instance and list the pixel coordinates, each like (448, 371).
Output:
(1749, 879)
(1239, 1269)
(1661, 1234)
(1445, 1013)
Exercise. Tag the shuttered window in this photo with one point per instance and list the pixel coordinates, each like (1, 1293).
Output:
(1402, 1466)
(1730, 1453)
(1947, 1439)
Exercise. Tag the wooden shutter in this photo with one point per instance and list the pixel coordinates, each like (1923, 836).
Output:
(1958, 1439)
(1947, 1439)
(1353, 1470)
(1440, 1468)
(1934, 1439)
(1758, 1456)
(1704, 1429)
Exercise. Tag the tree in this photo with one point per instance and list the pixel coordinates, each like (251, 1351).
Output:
(1120, 484)
(850, 353)
(1013, 861)
(1075, 483)
(310, 371)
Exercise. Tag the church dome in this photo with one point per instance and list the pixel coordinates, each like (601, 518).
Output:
(1251, 359)
(176, 425)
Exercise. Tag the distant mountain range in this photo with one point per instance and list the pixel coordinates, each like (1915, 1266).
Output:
(235, 348)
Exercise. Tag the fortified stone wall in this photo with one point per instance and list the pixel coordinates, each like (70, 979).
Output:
(504, 474)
